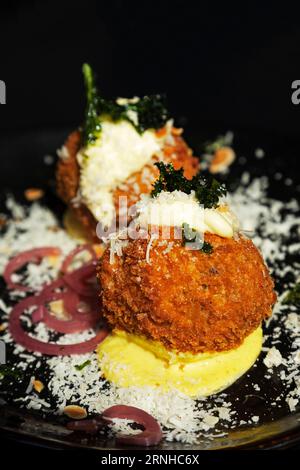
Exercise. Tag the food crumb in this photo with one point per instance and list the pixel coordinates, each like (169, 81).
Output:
(273, 358)
(38, 386)
(75, 412)
(33, 194)
(259, 153)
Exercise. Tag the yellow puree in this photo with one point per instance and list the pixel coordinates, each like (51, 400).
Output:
(130, 360)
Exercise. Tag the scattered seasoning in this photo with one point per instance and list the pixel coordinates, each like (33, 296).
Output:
(8, 371)
(33, 194)
(75, 412)
(207, 189)
(293, 297)
(83, 365)
(38, 386)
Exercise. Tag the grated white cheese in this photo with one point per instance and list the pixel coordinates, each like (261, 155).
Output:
(153, 237)
(119, 152)
(273, 358)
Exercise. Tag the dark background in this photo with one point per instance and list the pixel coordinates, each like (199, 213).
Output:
(222, 66)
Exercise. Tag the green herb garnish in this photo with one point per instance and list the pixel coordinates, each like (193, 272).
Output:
(92, 125)
(293, 297)
(8, 371)
(207, 248)
(170, 180)
(151, 112)
(83, 365)
(207, 189)
(189, 235)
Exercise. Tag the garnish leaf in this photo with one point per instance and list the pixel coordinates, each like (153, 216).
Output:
(83, 365)
(170, 180)
(293, 297)
(148, 112)
(152, 112)
(207, 189)
(92, 124)
(8, 371)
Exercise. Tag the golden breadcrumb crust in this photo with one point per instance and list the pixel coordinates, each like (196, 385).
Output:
(188, 300)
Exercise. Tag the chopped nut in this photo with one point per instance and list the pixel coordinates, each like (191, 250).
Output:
(33, 194)
(54, 228)
(53, 261)
(222, 159)
(223, 208)
(75, 412)
(57, 308)
(177, 130)
(2, 327)
(38, 386)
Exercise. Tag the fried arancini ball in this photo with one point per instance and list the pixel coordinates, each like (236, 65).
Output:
(188, 300)
(68, 175)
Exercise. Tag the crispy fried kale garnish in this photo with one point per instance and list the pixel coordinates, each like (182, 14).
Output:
(207, 189)
(145, 113)
(92, 124)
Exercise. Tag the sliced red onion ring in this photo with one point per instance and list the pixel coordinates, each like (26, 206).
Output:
(38, 314)
(90, 426)
(54, 287)
(77, 280)
(31, 344)
(74, 325)
(74, 305)
(152, 433)
(34, 256)
(69, 259)
(70, 300)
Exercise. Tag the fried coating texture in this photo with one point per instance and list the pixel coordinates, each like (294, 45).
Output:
(68, 175)
(188, 300)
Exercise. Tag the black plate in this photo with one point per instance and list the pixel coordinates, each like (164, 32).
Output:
(23, 166)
